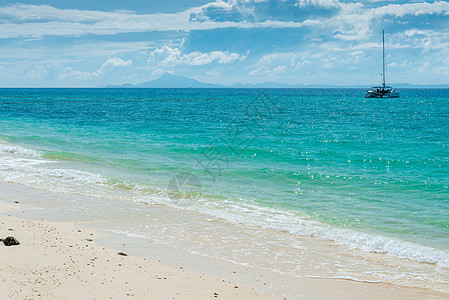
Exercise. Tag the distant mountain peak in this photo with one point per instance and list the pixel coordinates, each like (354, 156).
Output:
(168, 80)
(168, 76)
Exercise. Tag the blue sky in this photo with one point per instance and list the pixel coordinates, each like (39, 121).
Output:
(72, 43)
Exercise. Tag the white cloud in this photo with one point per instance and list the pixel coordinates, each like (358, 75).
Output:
(66, 55)
(308, 63)
(413, 9)
(347, 21)
(167, 56)
(424, 40)
(265, 10)
(113, 62)
(43, 20)
(357, 54)
(355, 21)
(46, 12)
(276, 63)
(319, 3)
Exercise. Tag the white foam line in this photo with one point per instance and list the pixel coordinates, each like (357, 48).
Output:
(294, 224)
(342, 278)
(18, 150)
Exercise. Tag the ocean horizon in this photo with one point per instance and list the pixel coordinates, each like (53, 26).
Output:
(369, 174)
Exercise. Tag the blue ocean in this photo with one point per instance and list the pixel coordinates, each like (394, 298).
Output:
(371, 174)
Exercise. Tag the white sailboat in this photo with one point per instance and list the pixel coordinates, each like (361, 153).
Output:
(383, 91)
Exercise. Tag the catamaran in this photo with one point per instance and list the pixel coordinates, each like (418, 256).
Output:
(383, 91)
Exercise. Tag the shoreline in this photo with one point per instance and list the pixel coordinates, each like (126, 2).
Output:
(206, 273)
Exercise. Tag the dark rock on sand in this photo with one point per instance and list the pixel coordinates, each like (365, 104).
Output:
(10, 241)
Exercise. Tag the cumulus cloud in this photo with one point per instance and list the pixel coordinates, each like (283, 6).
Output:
(167, 56)
(311, 61)
(277, 63)
(113, 62)
(414, 9)
(355, 21)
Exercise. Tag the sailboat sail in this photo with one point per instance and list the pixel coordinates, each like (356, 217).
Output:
(383, 91)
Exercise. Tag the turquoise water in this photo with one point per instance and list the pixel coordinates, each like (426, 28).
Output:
(370, 173)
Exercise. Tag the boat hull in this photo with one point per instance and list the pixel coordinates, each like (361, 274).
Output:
(373, 95)
(386, 94)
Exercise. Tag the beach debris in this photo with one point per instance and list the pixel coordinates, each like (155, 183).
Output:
(10, 241)
(122, 254)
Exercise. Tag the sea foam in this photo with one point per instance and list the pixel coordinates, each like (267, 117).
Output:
(18, 150)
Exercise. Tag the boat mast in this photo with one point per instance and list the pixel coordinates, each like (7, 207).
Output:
(383, 58)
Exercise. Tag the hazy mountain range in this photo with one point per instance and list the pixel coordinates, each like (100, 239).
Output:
(168, 80)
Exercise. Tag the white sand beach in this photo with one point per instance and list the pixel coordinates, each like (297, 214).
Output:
(63, 260)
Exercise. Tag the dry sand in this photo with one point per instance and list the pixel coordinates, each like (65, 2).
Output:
(62, 261)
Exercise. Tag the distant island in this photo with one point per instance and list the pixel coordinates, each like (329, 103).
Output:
(168, 80)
